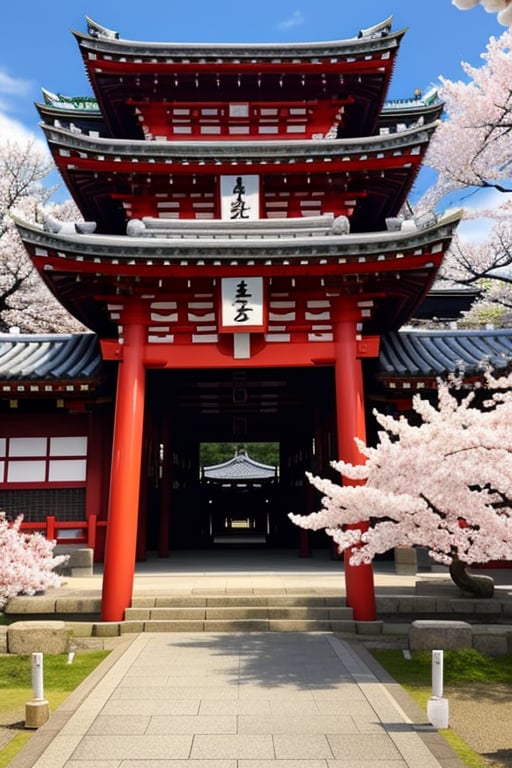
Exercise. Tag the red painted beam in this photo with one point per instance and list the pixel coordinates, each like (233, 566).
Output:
(157, 270)
(101, 68)
(207, 165)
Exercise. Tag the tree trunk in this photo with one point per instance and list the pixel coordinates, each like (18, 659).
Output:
(477, 586)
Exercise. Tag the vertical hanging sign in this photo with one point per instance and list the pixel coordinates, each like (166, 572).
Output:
(242, 305)
(240, 197)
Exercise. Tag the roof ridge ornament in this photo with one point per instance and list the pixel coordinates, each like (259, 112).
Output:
(97, 30)
(85, 103)
(377, 30)
(56, 226)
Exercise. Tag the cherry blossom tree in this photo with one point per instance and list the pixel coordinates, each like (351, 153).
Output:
(25, 302)
(472, 146)
(502, 7)
(486, 265)
(441, 481)
(27, 561)
(472, 151)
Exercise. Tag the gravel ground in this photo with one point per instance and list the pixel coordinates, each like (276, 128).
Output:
(11, 722)
(482, 716)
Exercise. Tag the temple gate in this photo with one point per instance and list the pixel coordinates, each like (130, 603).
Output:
(241, 214)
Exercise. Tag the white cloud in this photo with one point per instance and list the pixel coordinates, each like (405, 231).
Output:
(15, 132)
(13, 85)
(485, 198)
(295, 20)
(474, 230)
(11, 129)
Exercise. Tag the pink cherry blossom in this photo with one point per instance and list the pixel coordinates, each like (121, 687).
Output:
(471, 147)
(25, 301)
(471, 150)
(443, 482)
(502, 7)
(27, 561)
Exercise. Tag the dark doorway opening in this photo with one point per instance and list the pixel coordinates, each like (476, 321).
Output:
(289, 408)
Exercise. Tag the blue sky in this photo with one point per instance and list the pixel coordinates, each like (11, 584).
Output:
(38, 50)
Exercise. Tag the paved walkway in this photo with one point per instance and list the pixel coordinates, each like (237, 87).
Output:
(263, 700)
(257, 700)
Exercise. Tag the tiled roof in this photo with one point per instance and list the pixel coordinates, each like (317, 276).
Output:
(428, 354)
(36, 357)
(239, 469)
(404, 354)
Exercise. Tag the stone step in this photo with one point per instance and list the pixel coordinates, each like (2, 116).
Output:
(195, 613)
(239, 612)
(238, 625)
(221, 600)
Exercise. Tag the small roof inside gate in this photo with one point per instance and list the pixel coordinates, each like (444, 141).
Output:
(240, 468)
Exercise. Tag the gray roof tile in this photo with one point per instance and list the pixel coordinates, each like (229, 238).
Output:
(49, 356)
(411, 353)
(418, 353)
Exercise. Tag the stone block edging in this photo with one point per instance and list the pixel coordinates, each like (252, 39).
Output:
(490, 639)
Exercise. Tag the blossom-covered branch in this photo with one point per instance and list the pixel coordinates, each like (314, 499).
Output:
(501, 7)
(25, 302)
(27, 561)
(444, 484)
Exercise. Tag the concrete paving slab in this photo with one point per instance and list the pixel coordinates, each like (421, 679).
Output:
(299, 747)
(123, 708)
(236, 747)
(284, 764)
(374, 746)
(139, 747)
(300, 725)
(203, 724)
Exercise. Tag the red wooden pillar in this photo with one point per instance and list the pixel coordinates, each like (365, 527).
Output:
(350, 419)
(121, 540)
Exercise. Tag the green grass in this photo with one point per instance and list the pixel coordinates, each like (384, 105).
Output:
(60, 679)
(461, 668)
(16, 671)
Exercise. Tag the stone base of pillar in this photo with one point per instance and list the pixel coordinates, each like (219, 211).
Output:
(37, 713)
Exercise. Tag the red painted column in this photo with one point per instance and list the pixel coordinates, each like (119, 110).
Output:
(121, 540)
(350, 419)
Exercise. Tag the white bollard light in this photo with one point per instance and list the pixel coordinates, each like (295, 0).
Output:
(437, 673)
(37, 676)
(437, 706)
(37, 711)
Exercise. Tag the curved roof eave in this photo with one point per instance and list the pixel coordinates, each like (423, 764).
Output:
(430, 354)
(247, 147)
(239, 468)
(123, 246)
(102, 39)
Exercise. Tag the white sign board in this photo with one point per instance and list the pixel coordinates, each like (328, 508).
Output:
(240, 197)
(242, 306)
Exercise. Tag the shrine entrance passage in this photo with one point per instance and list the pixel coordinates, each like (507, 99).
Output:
(240, 515)
(292, 407)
